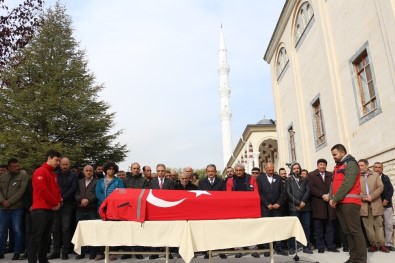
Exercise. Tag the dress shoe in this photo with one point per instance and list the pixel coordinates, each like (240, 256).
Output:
(54, 256)
(291, 252)
(153, 256)
(92, 256)
(307, 250)
(139, 256)
(23, 257)
(113, 257)
(1, 256)
(80, 256)
(255, 255)
(238, 255)
(223, 256)
(335, 250)
(99, 257)
(266, 254)
(391, 248)
(282, 252)
(65, 256)
(345, 249)
(16, 256)
(372, 249)
(321, 250)
(384, 249)
(206, 256)
(170, 256)
(126, 256)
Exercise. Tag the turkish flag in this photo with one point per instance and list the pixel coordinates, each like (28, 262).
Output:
(147, 204)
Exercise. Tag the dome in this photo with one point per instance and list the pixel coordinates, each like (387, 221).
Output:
(266, 122)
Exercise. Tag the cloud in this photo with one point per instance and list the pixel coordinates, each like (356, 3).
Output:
(158, 61)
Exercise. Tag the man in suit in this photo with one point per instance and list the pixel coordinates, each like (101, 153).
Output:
(323, 215)
(163, 183)
(386, 198)
(212, 183)
(271, 191)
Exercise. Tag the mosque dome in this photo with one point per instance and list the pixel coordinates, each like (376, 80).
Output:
(266, 122)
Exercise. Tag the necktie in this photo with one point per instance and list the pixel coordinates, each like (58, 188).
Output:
(160, 183)
(211, 181)
(323, 176)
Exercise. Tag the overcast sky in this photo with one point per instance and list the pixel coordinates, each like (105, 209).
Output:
(158, 61)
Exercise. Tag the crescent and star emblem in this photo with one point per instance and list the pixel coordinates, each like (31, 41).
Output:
(163, 203)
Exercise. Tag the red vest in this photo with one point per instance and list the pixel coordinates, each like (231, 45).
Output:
(354, 196)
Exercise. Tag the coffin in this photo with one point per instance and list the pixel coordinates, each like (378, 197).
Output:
(155, 205)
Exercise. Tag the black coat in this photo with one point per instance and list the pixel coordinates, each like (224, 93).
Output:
(270, 193)
(320, 208)
(168, 184)
(219, 184)
(388, 190)
(296, 193)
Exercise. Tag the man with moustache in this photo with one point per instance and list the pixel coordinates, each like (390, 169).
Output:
(86, 204)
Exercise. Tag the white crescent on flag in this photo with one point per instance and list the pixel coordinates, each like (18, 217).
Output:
(160, 202)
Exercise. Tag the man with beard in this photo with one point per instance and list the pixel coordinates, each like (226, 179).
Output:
(344, 195)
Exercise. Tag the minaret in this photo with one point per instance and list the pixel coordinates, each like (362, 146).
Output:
(224, 91)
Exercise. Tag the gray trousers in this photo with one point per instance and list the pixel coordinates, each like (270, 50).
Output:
(388, 225)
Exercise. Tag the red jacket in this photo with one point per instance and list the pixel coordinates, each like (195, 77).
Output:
(354, 195)
(46, 192)
(251, 186)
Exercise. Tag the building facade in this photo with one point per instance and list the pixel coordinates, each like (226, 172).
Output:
(333, 72)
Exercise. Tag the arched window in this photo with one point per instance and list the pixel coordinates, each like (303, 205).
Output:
(282, 61)
(303, 21)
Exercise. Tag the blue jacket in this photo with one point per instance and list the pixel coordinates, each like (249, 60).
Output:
(102, 192)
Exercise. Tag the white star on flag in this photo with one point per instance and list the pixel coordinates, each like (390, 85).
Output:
(199, 192)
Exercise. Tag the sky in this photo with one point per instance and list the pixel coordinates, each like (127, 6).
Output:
(158, 61)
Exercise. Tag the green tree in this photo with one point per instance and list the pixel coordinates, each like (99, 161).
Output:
(49, 99)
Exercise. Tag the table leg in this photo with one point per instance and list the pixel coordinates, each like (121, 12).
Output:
(271, 252)
(167, 254)
(106, 254)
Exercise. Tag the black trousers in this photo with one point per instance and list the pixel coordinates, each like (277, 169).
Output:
(61, 229)
(40, 238)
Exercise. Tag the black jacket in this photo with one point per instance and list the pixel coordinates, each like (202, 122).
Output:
(388, 190)
(68, 184)
(219, 184)
(296, 193)
(270, 193)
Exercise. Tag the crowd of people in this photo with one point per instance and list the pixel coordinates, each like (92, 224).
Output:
(349, 208)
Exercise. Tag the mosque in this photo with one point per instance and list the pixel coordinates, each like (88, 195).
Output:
(333, 77)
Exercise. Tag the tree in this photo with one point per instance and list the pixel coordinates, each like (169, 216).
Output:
(17, 27)
(49, 100)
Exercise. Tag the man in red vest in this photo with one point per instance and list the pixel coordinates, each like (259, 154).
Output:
(345, 196)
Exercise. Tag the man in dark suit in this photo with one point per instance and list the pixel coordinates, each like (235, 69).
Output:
(271, 191)
(161, 182)
(212, 183)
(324, 216)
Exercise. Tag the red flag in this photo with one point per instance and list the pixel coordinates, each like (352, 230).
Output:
(147, 204)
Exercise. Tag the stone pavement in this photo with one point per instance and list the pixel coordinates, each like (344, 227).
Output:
(327, 257)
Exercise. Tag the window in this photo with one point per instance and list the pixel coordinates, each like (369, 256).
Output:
(291, 138)
(304, 22)
(318, 123)
(365, 90)
(282, 62)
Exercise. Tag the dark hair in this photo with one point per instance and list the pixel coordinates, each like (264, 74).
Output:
(340, 148)
(298, 164)
(110, 165)
(97, 165)
(211, 165)
(196, 175)
(3, 166)
(256, 169)
(52, 153)
(365, 161)
(322, 161)
(281, 169)
(304, 170)
(12, 160)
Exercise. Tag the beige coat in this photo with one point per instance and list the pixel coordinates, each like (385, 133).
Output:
(376, 187)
